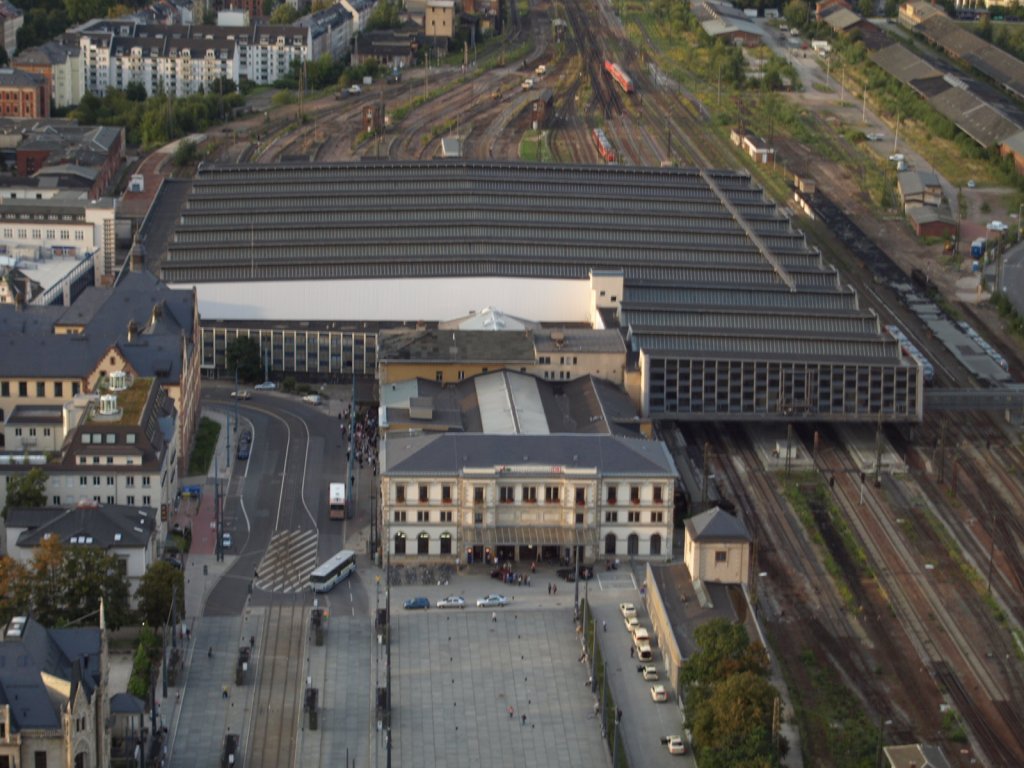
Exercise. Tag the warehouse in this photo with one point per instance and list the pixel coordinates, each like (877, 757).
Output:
(727, 311)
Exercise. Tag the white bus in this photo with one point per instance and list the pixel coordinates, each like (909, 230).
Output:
(337, 501)
(338, 568)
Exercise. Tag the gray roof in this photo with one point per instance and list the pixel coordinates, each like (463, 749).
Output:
(47, 54)
(450, 454)
(107, 526)
(928, 214)
(126, 704)
(900, 62)
(842, 18)
(29, 347)
(974, 116)
(28, 651)
(1003, 68)
(35, 414)
(916, 756)
(581, 340)
(716, 525)
(16, 78)
(433, 345)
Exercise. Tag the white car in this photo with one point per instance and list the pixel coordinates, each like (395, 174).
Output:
(971, 184)
(649, 672)
(632, 622)
(527, 83)
(541, 69)
(627, 610)
(897, 158)
(242, 394)
(265, 385)
(658, 693)
(313, 399)
(452, 601)
(225, 541)
(492, 601)
(354, 89)
(676, 745)
(641, 635)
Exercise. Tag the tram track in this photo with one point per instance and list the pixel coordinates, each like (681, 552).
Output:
(278, 704)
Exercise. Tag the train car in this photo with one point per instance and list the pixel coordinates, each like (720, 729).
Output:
(908, 347)
(604, 147)
(619, 76)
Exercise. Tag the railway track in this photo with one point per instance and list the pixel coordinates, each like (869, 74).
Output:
(279, 690)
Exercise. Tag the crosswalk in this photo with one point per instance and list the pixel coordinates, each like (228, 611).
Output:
(289, 558)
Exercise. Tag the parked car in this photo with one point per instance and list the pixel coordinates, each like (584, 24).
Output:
(225, 541)
(245, 436)
(658, 693)
(244, 450)
(242, 394)
(313, 399)
(676, 744)
(971, 184)
(627, 610)
(492, 601)
(527, 83)
(354, 89)
(641, 635)
(649, 672)
(632, 622)
(263, 385)
(416, 604)
(541, 69)
(452, 601)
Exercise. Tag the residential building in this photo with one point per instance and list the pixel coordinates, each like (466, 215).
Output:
(69, 224)
(920, 187)
(716, 548)
(50, 354)
(126, 532)
(439, 22)
(16, 286)
(331, 30)
(360, 10)
(393, 48)
(184, 59)
(60, 63)
(11, 20)
(118, 448)
(54, 707)
(23, 94)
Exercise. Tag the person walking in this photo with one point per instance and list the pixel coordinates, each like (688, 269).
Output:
(511, 712)
(604, 625)
(494, 616)
(631, 651)
(524, 719)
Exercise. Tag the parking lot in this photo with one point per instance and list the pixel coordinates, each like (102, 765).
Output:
(457, 672)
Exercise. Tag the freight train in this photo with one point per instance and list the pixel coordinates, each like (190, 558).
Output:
(619, 76)
(908, 347)
(604, 147)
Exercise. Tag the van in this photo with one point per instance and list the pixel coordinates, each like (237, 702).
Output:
(641, 635)
(644, 652)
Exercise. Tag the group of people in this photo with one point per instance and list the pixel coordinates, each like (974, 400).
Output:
(365, 437)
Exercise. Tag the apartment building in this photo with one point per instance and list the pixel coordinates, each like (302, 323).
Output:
(61, 64)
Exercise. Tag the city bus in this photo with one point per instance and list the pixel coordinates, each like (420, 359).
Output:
(338, 568)
(337, 501)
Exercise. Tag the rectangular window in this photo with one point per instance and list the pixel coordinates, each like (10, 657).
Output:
(423, 516)
(579, 518)
(611, 516)
(146, 501)
(400, 494)
(83, 480)
(530, 494)
(110, 481)
(720, 557)
(424, 493)
(446, 494)
(145, 481)
(40, 389)
(17, 431)
(478, 494)
(613, 494)
(96, 480)
(111, 438)
(399, 515)
(58, 389)
(634, 516)
(634, 494)
(46, 431)
(56, 503)
(110, 499)
(581, 497)
(129, 482)
(657, 495)
(446, 516)
(657, 517)
(40, 758)
(551, 494)
(478, 518)
(129, 500)
(75, 388)
(506, 494)
(5, 389)
(23, 392)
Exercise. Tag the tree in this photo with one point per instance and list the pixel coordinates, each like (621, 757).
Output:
(796, 13)
(243, 355)
(284, 14)
(136, 91)
(67, 584)
(15, 589)
(186, 153)
(27, 490)
(734, 726)
(385, 15)
(5, 60)
(155, 590)
(724, 650)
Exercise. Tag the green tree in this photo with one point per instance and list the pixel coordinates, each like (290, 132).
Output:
(156, 588)
(83, 10)
(27, 490)
(135, 91)
(385, 15)
(734, 726)
(67, 584)
(796, 13)
(243, 355)
(5, 60)
(15, 589)
(283, 14)
(186, 153)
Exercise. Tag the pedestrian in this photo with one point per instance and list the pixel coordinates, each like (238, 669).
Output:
(511, 712)
(225, 691)
(549, 587)
(631, 651)
(524, 719)
(554, 589)
(618, 716)
(252, 641)
(494, 616)
(604, 625)
(533, 567)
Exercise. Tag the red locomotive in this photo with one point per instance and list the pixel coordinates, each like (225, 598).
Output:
(619, 75)
(604, 147)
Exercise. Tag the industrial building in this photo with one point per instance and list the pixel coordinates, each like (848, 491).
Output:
(726, 310)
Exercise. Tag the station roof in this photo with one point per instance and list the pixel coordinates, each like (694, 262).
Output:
(684, 239)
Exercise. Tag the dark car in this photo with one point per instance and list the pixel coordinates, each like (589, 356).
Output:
(243, 451)
(245, 437)
(416, 603)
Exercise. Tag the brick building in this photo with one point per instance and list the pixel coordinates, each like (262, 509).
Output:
(24, 94)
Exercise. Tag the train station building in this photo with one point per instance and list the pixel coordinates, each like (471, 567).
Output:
(727, 313)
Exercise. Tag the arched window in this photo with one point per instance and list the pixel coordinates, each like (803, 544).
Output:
(656, 544)
(609, 544)
(446, 543)
(423, 544)
(399, 543)
(633, 544)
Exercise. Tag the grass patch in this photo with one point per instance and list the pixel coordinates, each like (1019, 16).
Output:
(831, 721)
(952, 727)
(534, 147)
(205, 445)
